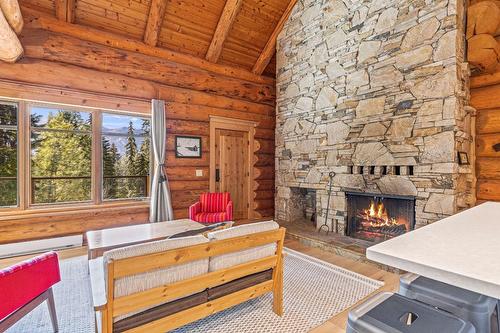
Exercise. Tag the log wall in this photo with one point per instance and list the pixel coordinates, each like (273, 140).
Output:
(63, 69)
(485, 97)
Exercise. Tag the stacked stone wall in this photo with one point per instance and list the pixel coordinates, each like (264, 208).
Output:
(377, 84)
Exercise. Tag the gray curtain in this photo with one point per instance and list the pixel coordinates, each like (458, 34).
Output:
(161, 201)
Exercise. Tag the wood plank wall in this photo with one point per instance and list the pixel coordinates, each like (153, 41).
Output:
(485, 97)
(59, 68)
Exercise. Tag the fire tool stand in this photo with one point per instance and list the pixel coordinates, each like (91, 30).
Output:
(325, 225)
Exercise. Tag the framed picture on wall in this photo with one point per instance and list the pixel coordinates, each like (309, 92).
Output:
(188, 146)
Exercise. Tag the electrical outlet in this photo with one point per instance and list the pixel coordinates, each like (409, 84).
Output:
(199, 173)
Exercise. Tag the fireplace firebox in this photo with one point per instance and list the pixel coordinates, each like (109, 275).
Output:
(377, 217)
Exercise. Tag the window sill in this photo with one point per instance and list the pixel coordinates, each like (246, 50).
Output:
(17, 213)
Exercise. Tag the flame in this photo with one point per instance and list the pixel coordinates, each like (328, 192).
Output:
(377, 215)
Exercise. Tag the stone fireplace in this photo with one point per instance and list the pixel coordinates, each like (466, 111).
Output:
(375, 91)
(378, 217)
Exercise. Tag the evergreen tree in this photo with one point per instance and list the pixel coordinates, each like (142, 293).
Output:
(144, 155)
(8, 156)
(110, 158)
(63, 153)
(131, 150)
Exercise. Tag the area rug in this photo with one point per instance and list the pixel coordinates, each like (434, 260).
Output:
(314, 291)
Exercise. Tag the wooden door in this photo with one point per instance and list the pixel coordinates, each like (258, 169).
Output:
(232, 168)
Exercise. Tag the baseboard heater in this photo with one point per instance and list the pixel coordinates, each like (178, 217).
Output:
(42, 245)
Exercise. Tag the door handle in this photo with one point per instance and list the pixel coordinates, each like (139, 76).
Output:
(217, 175)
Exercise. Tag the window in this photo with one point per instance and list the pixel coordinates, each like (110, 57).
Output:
(8, 154)
(126, 154)
(59, 155)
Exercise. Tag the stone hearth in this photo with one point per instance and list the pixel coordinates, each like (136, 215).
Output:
(376, 92)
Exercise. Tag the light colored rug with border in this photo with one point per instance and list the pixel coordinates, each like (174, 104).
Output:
(314, 291)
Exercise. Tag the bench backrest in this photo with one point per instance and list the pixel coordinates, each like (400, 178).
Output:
(119, 269)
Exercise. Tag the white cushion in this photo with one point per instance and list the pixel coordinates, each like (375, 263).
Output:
(145, 281)
(237, 258)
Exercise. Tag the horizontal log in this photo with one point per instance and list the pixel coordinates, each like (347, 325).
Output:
(179, 185)
(263, 160)
(264, 214)
(187, 173)
(203, 113)
(28, 91)
(488, 189)
(265, 146)
(264, 204)
(264, 133)
(193, 97)
(488, 145)
(264, 184)
(488, 168)
(488, 121)
(30, 227)
(61, 48)
(485, 97)
(264, 173)
(484, 80)
(185, 127)
(173, 161)
(39, 20)
(182, 213)
(264, 195)
(185, 198)
(66, 76)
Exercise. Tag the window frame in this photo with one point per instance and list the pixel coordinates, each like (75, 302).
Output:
(101, 169)
(97, 201)
(18, 144)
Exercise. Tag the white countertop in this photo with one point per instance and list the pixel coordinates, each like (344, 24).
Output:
(462, 250)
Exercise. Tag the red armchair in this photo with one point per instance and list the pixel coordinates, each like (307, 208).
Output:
(26, 285)
(212, 208)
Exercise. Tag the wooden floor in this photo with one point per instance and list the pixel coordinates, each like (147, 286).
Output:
(334, 325)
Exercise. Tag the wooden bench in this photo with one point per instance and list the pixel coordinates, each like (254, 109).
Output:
(173, 305)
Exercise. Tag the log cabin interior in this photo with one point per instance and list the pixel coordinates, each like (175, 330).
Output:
(249, 166)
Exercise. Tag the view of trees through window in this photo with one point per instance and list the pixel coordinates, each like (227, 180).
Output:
(126, 153)
(8, 154)
(61, 155)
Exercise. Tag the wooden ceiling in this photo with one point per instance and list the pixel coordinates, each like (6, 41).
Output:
(236, 33)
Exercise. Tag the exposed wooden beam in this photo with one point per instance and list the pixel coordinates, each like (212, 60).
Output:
(65, 10)
(155, 19)
(270, 48)
(36, 19)
(226, 21)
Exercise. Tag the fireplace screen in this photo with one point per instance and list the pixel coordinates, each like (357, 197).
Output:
(376, 217)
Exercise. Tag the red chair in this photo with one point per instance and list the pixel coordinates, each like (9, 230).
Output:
(212, 208)
(26, 285)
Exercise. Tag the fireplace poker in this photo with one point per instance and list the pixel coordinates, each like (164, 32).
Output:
(325, 225)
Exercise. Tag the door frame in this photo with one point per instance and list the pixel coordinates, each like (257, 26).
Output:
(234, 125)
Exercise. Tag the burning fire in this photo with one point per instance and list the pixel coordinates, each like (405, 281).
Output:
(377, 215)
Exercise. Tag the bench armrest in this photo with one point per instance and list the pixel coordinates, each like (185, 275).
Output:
(97, 283)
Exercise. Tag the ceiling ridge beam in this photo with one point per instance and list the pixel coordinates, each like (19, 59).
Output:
(65, 10)
(226, 20)
(155, 19)
(37, 19)
(270, 48)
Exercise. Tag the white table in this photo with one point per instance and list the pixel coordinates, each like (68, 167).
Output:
(462, 250)
(100, 241)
